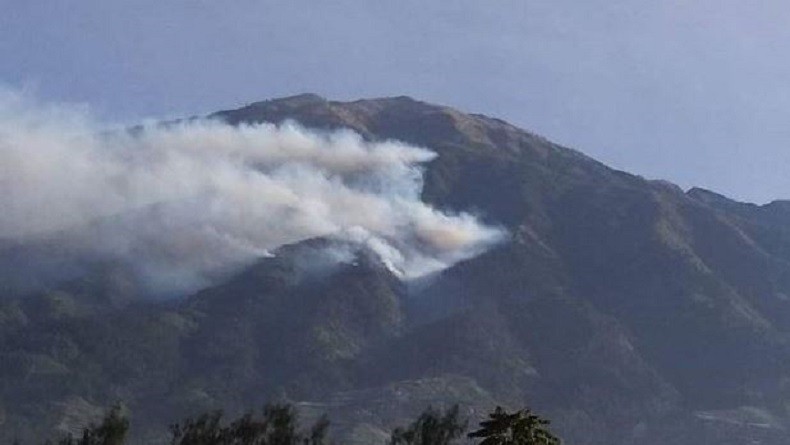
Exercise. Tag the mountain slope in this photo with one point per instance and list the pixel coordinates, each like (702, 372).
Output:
(627, 310)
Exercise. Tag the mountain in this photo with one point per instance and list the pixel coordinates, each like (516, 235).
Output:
(626, 310)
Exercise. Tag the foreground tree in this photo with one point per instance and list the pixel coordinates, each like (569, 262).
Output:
(431, 428)
(277, 426)
(519, 428)
(112, 431)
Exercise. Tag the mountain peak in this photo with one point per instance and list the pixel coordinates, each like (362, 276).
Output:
(613, 292)
(295, 101)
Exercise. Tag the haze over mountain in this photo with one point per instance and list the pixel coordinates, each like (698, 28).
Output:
(188, 203)
(627, 310)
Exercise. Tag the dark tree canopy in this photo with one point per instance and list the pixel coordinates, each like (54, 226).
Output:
(519, 428)
(431, 428)
(278, 425)
(112, 431)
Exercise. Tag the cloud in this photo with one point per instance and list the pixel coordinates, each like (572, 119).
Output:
(187, 201)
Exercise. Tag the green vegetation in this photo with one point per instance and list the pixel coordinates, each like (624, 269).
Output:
(112, 431)
(519, 428)
(431, 428)
(279, 425)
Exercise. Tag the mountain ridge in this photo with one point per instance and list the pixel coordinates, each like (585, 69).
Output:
(628, 310)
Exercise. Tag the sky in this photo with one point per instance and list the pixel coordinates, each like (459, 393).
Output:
(695, 92)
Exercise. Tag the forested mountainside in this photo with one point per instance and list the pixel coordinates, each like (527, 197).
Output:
(626, 310)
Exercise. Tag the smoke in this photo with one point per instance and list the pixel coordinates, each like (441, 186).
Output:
(185, 202)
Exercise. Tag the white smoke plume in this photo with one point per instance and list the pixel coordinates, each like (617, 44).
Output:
(185, 201)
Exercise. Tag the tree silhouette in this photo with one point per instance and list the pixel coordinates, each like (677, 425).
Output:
(277, 426)
(112, 431)
(519, 428)
(431, 428)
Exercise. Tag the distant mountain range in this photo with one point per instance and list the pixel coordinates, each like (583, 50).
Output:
(626, 310)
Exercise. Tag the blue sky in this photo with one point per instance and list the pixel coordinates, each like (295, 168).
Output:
(696, 92)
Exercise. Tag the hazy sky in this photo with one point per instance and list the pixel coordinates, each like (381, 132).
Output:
(694, 91)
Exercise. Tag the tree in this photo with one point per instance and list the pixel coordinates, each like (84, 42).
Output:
(519, 428)
(112, 431)
(277, 426)
(431, 428)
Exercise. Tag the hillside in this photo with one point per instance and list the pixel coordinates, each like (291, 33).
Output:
(626, 310)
